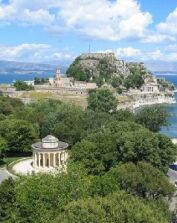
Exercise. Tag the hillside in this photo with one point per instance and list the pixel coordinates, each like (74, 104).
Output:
(7, 67)
(106, 68)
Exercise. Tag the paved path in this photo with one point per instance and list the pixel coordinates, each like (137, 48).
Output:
(3, 175)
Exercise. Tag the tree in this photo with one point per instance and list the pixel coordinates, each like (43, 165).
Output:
(124, 115)
(9, 105)
(167, 152)
(134, 81)
(143, 145)
(102, 100)
(76, 71)
(142, 179)
(65, 123)
(7, 200)
(153, 117)
(3, 147)
(117, 207)
(22, 86)
(41, 197)
(38, 80)
(18, 134)
(97, 153)
(116, 82)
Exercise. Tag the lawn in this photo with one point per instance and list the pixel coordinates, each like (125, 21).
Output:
(8, 160)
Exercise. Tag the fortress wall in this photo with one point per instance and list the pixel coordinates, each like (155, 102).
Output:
(97, 55)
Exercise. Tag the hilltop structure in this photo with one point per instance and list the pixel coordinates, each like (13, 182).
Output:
(59, 81)
(91, 66)
(132, 81)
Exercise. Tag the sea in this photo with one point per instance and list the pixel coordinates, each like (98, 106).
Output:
(170, 131)
(9, 78)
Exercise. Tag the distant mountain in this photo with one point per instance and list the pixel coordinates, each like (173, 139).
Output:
(7, 67)
(162, 66)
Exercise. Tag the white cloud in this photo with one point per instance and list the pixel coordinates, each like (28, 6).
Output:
(157, 38)
(39, 17)
(33, 53)
(128, 52)
(102, 19)
(135, 54)
(169, 26)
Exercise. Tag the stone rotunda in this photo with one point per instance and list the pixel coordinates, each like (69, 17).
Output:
(50, 153)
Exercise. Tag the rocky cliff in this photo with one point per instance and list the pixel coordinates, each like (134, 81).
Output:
(106, 68)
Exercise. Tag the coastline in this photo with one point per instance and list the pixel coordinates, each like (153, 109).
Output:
(142, 102)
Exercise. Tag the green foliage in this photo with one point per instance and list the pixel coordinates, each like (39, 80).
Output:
(9, 105)
(97, 154)
(134, 81)
(22, 86)
(3, 146)
(102, 100)
(38, 80)
(73, 196)
(116, 82)
(106, 69)
(76, 71)
(124, 115)
(143, 145)
(42, 197)
(166, 85)
(153, 117)
(143, 180)
(65, 123)
(111, 176)
(7, 200)
(103, 185)
(118, 207)
(18, 134)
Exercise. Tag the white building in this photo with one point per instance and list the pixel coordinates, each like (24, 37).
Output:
(30, 83)
(50, 153)
(60, 81)
(150, 85)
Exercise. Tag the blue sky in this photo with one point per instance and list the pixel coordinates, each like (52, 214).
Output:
(52, 31)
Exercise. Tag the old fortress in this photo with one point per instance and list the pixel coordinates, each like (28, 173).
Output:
(149, 93)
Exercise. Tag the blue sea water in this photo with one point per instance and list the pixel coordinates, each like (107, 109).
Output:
(9, 78)
(171, 130)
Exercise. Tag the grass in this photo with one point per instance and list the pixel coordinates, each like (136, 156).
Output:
(8, 160)
(80, 100)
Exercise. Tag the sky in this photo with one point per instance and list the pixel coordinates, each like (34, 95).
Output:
(56, 31)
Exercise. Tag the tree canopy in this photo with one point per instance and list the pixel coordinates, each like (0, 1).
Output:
(102, 100)
(22, 86)
(117, 165)
(153, 117)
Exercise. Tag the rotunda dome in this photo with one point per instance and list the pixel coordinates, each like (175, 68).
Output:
(50, 142)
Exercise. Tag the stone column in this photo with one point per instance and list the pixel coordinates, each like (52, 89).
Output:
(40, 159)
(43, 155)
(35, 160)
(59, 158)
(54, 160)
(64, 157)
(49, 159)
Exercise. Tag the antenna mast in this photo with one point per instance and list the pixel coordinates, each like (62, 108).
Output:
(89, 48)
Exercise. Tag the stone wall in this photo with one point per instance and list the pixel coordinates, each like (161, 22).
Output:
(98, 56)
